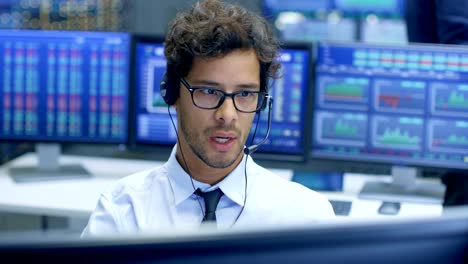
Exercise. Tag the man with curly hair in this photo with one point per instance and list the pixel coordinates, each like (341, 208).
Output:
(219, 59)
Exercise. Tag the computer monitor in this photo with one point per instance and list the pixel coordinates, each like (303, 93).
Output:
(379, 21)
(430, 241)
(287, 137)
(62, 87)
(300, 20)
(406, 106)
(341, 29)
(271, 8)
(391, 8)
(383, 31)
(152, 122)
(386, 8)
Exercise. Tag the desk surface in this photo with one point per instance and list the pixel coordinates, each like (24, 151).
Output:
(77, 198)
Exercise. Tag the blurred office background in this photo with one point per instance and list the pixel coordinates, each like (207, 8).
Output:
(373, 22)
(136, 16)
(296, 20)
(370, 21)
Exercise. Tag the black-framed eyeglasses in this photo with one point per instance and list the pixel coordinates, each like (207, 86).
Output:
(212, 98)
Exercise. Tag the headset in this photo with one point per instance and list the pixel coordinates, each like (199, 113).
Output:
(169, 86)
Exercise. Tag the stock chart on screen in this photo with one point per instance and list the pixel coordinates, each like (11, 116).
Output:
(396, 104)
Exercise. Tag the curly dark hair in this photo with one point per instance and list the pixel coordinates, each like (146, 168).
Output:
(212, 28)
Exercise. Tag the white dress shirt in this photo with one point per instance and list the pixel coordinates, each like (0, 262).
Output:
(163, 198)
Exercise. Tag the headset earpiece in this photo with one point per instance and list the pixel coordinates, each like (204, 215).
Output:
(264, 85)
(263, 106)
(169, 88)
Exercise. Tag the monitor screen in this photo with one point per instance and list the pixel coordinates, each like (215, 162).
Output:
(303, 20)
(154, 126)
(384, 31)
(403, 105)
(391, 8)
(346, 8)
(290, 94)
(318, 30)
(64, 86)
(274, 7)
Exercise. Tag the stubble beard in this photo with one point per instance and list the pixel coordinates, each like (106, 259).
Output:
(196, 145)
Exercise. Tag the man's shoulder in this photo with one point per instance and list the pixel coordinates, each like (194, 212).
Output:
(138, 182)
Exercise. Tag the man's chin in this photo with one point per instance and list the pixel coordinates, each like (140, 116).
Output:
(220, 164)
(220, 160)
(225, 162)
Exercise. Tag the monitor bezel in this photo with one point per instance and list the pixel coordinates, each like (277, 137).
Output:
(332, 242)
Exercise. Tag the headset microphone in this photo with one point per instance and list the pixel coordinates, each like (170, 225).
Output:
(251, 149)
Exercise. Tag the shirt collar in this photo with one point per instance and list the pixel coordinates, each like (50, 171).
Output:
(233, 185)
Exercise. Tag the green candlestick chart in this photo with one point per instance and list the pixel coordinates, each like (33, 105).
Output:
(391, 137)
(454, 100)
(342, 128)
(454, 139)
(344, 90)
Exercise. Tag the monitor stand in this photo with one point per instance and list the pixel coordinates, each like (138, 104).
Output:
(48, 168)
(404, 188)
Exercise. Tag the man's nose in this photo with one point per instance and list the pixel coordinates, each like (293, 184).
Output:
(227, 111)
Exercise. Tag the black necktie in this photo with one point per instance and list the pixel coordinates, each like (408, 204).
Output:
(211, 202)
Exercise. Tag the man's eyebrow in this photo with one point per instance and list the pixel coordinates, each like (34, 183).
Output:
(207, 82)
(217, 84)
(248, 85)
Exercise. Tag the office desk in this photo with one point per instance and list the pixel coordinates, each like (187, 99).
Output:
(364, 208)
(78, 198)
(65, 198)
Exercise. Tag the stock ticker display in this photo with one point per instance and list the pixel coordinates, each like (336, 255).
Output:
(404, 105)
(389, 8)
(99, 15)
(370, 21)
(288, 113)
(64, 86)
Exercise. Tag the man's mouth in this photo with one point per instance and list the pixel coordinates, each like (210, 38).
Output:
(222, 139)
